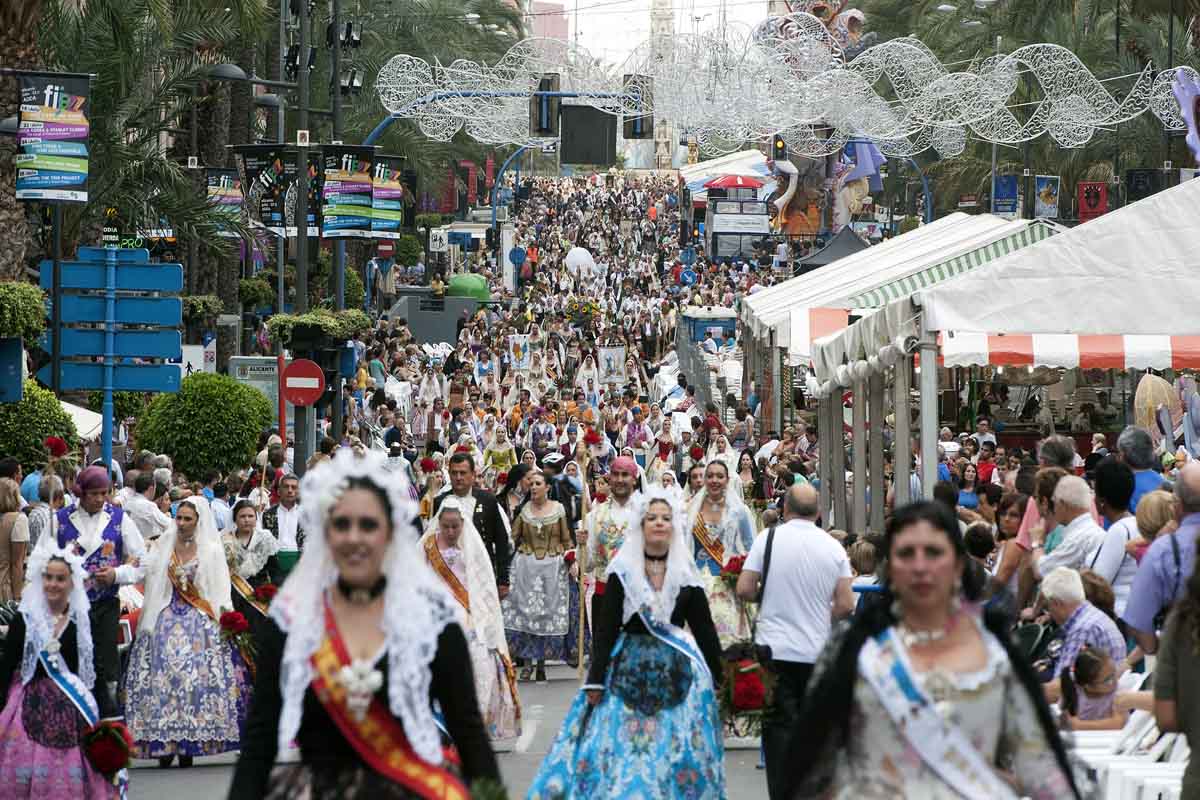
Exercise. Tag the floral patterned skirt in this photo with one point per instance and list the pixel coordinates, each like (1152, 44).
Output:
(654, 735)
(40, 756)
(186, 689)
(536, 611)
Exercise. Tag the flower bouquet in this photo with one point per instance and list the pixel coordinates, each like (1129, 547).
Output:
(235, 629)
(732, 571)
(108, 745)
(745, 695)
(266, 593)
(582, 311)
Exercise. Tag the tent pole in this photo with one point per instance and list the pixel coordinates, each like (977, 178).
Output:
(929, 412)
(875, 390)
(823, 454)
(858, 444)
(902, 452)
(837, 460)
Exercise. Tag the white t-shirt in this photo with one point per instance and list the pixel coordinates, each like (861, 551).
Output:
(1112, 563)
(797, 607)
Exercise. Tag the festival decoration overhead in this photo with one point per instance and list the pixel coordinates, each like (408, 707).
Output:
(788, 75)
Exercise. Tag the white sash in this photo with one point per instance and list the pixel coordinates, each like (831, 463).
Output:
(943, 746)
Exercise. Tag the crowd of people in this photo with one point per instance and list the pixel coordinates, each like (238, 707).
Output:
(532, 500)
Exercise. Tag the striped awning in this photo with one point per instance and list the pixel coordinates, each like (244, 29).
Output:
(965, 349)
(906, 286)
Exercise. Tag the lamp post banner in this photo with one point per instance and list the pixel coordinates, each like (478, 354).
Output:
(265, 177)
(387, 198)
(52, 137)
(346, 191)
(225, 195)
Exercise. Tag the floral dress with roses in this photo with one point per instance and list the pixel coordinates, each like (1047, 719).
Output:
(187, 689)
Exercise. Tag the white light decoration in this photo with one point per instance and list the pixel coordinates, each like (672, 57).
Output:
(787, 75)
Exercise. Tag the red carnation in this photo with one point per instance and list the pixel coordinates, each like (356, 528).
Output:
(462, 448)
(428, 464)
(501, 478)
(696, 452)
(749, 693)
(234, 622)
(266, 593)
(107, 745)
(569, 557)
(592, 437)
(56, 446)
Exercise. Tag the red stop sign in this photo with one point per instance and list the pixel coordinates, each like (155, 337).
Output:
(303, 382)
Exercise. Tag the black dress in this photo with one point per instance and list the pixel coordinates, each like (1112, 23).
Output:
(330, 767)
(14, 647)
(691, 609)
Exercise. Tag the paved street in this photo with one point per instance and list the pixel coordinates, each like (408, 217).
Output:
(544, 705)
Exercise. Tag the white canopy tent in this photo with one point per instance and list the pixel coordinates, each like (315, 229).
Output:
(88, 423)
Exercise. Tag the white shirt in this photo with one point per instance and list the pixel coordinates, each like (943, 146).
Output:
(288, 519)
(1079, 541)
(797, 608)
(1112, 562)
(221, 514)
(90, 527)
(151, 521)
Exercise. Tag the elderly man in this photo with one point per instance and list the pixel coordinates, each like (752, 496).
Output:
(107, 538)
(1165, 569)
(1081, 537)
(1136, 448)
(1080, 624)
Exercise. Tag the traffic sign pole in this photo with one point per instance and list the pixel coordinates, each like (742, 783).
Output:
(282, 403)
(110, 342)
(56, 299)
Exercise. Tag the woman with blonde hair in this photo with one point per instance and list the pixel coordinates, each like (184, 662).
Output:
(1155, 515)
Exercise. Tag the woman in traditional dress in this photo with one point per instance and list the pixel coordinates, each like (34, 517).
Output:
(587, 372)
(926, 696)
(455, 551)
(722, 526)
(500, 456)
(663, 454)
(186, 688)
(646, 724)
(537, 607)
(363, 639)
(251, 552)
(753, 488)
(46, 680)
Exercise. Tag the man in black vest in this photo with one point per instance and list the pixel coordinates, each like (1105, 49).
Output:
(485, 514)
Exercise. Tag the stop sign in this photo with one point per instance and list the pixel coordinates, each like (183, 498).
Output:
(303, 382)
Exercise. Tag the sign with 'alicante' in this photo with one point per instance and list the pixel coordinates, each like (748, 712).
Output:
(52, 137)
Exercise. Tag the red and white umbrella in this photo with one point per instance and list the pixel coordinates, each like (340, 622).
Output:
(734, 182)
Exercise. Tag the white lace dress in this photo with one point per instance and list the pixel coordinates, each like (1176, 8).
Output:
(990, 706)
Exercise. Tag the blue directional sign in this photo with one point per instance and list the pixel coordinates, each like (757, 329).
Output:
(12, 358)
(89, 342)
(77, 375)
(130, 277)
(129, 310)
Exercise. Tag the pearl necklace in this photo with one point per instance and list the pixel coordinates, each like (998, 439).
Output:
(912, 638)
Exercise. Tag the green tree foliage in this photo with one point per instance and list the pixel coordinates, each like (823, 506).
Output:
(22, 311)
(24, 426)
(125, 404)
(408, 250)
(255, 293)
(213, 422)
(356, 293)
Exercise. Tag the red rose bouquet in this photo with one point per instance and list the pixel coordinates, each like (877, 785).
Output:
(696, 452)
(749, 693)
(108, 745)
(266, 592)
(569, 557)
(732, 571)
(235, 629)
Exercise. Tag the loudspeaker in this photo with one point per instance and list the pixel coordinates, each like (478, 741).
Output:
(640, 126)
(543, 111)
(589, 136)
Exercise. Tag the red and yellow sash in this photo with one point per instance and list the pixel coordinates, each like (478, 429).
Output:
(379, 738)
(434, 556)
(714, 547)
(189, 591)
(243, 587)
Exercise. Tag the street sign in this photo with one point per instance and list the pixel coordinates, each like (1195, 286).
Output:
(550, 148)
(12, 359)
(130, 277)
(303, 382)
(77, 375)
(166, 311)
(260, 373)
(89, 342)
(437, 240)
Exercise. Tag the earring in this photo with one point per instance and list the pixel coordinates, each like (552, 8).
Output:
(956, 596)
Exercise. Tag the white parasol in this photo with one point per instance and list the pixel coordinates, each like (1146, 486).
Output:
(580, 262)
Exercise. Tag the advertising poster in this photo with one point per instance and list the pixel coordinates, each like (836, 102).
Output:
(612, 365)
(387, 199)
(1045, 196)
(1092, 198)
(314, 194)
(1006, 196)
(52, 137)
(225, 195)
(1141, 183)
(346, 204)
(264, 179)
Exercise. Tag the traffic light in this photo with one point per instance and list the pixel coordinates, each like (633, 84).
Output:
(640, 126)
(685, 233)
(490, 238)
(779, 151)
(543, 111)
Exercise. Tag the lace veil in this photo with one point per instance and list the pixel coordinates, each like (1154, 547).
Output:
(212, 575)
(39, 624)
(417, 607)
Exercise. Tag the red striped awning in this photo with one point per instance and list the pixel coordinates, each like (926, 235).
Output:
(964, 349)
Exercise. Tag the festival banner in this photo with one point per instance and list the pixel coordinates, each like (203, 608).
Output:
(387, 200)
(315, 167)
(1093, 199)
(612, 365)
(1045, 196)
(52, 137)
(265, 180)
(225, 195)
(1006, 196)
(518, 348)
(346, 204)
(1141, 183)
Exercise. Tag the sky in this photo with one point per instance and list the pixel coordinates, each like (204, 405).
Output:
(610, 29)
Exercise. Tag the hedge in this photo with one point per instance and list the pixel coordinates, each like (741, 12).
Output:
(22, 311)
(24, 426)
(213, 422)
(255, 293)
(337, 327)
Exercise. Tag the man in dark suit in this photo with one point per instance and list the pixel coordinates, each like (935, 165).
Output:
(485, 515)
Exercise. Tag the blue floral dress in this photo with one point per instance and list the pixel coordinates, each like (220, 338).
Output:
(186, 690)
